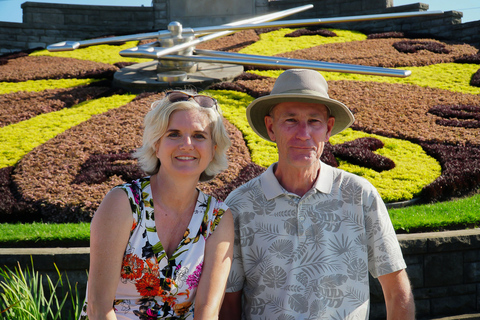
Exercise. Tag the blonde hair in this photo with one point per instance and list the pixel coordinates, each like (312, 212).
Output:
(156, 124)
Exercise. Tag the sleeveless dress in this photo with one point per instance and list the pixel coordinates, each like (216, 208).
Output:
(152, 285)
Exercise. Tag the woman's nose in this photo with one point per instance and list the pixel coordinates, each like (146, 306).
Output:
(186, 143)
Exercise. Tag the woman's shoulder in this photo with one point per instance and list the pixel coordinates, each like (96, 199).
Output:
(211, 202)
(137, 184)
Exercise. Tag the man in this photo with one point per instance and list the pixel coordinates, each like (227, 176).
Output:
(307, 234)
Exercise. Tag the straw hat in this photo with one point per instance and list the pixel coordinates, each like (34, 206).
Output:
(302, 85)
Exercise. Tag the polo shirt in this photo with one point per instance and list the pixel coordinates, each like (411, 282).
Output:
(309, 257)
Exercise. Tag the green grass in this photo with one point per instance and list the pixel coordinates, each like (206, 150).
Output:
(455, 214)
(460, 213)
(39, 234)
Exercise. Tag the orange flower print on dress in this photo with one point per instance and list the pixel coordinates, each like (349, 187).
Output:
(148, 285)
(132, 267)
(182, 308)
(153, 266)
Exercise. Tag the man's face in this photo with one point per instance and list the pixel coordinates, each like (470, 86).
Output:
(300, 130)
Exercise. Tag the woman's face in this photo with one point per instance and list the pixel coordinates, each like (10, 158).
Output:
(186, 148)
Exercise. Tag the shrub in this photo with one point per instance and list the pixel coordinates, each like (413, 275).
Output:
(460, 171)
(474, 58)
(386, 35)
(359, 152)
(455, 116)
(311, 32)
(475, 81)
(412, 46)
(98, 168)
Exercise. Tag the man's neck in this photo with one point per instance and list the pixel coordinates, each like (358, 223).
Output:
(297, 180)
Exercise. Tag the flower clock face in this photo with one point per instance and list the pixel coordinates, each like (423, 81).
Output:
(67, 137)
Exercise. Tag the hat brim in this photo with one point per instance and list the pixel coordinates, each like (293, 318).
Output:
(260, 107)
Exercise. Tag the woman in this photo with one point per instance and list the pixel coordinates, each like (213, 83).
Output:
(160, 248)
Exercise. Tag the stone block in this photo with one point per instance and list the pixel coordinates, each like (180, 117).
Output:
(442, 269)
(472, 272)
(422, 308)
(454, 241)
(415, 274)
(453, 305)
(75, 19)
(411, 245)
(444, 291)
(378, 311)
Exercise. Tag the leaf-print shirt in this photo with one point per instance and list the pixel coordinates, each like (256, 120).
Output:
(152, 285)
(309, 257)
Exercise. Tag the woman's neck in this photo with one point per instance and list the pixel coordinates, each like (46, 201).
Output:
(174, 194)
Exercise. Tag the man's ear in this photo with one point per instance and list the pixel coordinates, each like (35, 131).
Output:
(330, 123)
(269, 125)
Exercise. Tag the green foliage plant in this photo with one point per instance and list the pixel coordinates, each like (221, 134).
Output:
(24, 296)
(233, 104)
(102, 53)
(20, 138)
(275, 42)
(413, 170)
(40, 85)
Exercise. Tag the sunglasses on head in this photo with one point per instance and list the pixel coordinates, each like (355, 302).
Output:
(203, 101)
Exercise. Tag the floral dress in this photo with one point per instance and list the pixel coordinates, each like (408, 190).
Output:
(152, 285)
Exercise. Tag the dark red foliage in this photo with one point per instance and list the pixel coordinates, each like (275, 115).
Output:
(7, 200)
(327, 155)
(457, 116)
(311, 32)
(123, 64)
(359, 152)
(460, 112)
(474, 58)
(249, 76)
(266, 30)
(13, 208)
(98, 168)
(475, 81)
(386, 35)
(228, 86)
(33, 104)
(412, 46)
(237, 85)
(247, 173)
(460, 171)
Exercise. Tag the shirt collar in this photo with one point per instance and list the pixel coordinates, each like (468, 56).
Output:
(272, 188)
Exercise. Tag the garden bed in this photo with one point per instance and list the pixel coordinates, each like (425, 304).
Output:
(65, 178)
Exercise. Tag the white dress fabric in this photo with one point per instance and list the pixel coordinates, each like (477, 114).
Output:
(152, 285)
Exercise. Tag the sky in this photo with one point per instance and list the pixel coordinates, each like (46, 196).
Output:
(11, 11)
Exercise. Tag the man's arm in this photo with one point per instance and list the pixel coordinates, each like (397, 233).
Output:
(232, 306)
(398, 295)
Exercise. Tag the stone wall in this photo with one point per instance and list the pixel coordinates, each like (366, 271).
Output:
(48, 23)
(444, 269)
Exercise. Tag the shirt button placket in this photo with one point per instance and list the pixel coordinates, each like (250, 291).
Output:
(300, 217)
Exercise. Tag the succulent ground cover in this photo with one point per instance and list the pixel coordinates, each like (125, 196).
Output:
(65, 178)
